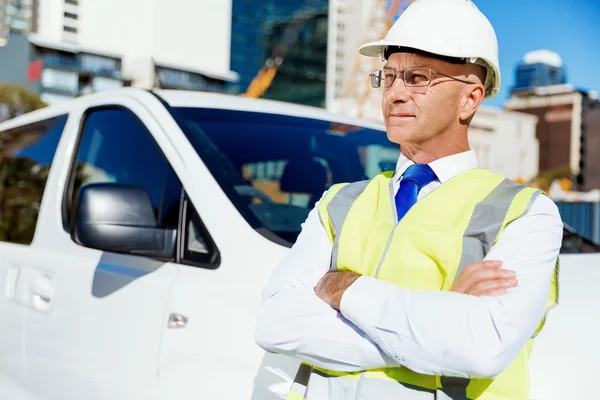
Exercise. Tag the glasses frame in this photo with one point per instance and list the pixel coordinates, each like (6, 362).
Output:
(403, 73)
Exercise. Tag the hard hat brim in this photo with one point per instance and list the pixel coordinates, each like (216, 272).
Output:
(375, 49)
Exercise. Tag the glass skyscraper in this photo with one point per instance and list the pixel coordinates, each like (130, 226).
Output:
(258, 26)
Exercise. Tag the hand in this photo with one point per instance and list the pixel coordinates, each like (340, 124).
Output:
(484, 279)
(332, 286)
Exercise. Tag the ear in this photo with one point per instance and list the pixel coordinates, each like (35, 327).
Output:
(472, 99)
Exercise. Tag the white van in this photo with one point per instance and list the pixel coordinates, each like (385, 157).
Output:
(137, 230)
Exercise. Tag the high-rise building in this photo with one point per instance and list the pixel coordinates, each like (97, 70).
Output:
(348, 20)
(58, 20)
(539, 68)
(298, 30)
(21, 15)
(568, 130)
(175, 44)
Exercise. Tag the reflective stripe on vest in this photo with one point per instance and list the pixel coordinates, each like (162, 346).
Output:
(501, 201)
(300, 383)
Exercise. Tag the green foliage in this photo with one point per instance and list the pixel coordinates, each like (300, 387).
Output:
(545, 178)
(16, 100)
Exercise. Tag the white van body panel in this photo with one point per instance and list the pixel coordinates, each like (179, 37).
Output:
(93, 343)
(564, 362)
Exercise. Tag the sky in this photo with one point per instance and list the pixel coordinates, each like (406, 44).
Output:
(570, 28)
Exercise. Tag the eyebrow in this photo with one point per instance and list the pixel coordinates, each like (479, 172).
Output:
(386, 66)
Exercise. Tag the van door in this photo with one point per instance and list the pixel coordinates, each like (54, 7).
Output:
(26, 154)
(95, 330)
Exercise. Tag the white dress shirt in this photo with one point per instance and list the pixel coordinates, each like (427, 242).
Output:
(431, 332)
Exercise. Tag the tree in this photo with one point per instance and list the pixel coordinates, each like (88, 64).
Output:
(545, 178)
(16, 100)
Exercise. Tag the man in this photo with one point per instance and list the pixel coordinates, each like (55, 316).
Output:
(429, 282)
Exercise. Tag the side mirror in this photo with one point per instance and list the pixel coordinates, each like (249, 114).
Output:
(118, 218)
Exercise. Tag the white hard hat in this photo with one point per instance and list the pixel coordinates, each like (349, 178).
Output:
(450, 28)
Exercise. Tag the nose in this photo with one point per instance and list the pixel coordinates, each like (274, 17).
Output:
(398, 92)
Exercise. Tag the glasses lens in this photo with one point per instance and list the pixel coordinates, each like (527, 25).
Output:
(376, 79)
(417, 77)
(382, 78)
(388, 77)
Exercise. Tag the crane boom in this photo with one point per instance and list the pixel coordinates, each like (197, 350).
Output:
(263, 80)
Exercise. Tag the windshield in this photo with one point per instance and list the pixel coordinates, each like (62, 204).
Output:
(274, 168)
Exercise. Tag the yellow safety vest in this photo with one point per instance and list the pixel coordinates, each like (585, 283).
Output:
(452, 227)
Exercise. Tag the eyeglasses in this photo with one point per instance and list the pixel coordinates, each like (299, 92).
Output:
(413, 77)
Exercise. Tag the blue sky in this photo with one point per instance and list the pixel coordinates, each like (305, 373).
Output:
(569, 27)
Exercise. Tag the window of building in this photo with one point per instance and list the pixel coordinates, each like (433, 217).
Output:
(25, 160)
(18, 24)
(71, 15)
(73, 2)
(65, 81)
(53, 98)
(100, 83)
(99, 64)
(69, 29)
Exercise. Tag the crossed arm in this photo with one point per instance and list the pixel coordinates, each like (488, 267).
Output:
(343, 322)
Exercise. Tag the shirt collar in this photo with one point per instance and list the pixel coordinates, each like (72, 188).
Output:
(445, 168)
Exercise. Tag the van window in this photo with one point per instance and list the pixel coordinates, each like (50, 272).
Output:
(26, 154)
(274, 168)
(116, 147)
(573, 242)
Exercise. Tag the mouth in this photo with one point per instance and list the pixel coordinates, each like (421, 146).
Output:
(401, 115)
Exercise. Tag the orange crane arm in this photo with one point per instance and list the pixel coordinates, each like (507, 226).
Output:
(261, 83)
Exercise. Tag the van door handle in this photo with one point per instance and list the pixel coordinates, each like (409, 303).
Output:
(43, 292)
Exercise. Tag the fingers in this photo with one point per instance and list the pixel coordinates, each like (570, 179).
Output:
(482, 266)
(485, 278)
(490, 278)
(492, 287)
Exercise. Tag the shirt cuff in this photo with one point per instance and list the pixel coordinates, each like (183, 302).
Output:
(363, 302)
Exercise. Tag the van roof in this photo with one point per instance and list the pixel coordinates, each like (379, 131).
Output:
(184, 98)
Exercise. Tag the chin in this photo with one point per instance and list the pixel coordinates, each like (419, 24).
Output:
(399, 135)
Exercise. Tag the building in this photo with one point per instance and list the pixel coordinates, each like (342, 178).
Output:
(296, 31)
(539, 68)
(175, 44)
(568, 130)
(17, 16)
(179, 44)
(58, 72)
(21, 15)
(353, 23)
(347, 24)
(505, 142)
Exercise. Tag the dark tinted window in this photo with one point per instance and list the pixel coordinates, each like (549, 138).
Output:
(26, 154)
(116, 147)
(575, 243)
(274, 167)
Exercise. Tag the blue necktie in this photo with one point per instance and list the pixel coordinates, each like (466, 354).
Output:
(414, 179)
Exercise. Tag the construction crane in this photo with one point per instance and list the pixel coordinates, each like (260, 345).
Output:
(358, 99)
(263, 80)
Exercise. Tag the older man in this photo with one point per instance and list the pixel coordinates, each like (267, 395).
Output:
(430, 281)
